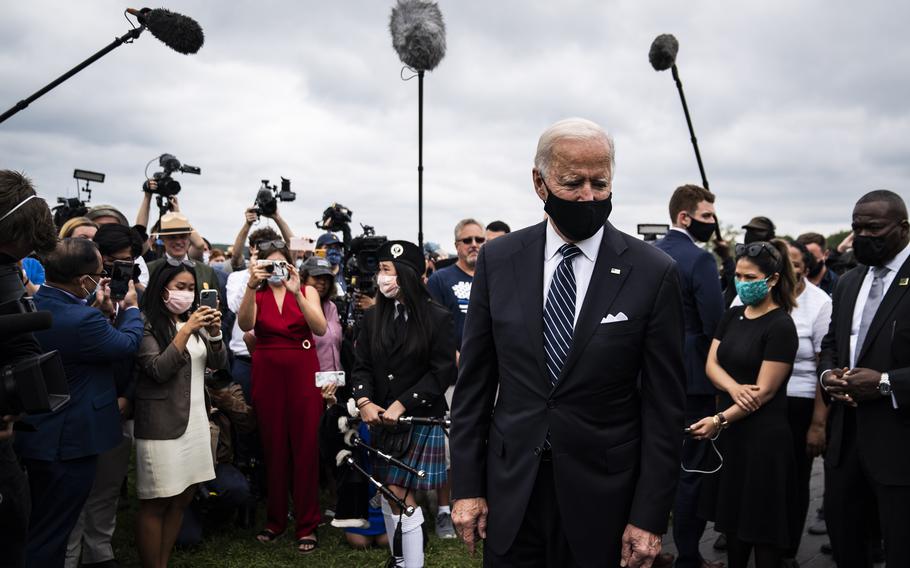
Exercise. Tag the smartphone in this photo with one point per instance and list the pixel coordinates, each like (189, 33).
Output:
(209, 298)
(324, 378)
(121, 274)
(302, 244)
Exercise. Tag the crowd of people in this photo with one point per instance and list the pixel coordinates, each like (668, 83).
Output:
(628, 379)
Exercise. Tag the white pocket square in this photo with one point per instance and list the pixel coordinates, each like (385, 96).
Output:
(615, 318)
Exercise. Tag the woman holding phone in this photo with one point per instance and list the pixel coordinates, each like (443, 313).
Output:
(284, 316)
(173, 440)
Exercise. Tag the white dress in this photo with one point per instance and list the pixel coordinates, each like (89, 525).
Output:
(165, 468)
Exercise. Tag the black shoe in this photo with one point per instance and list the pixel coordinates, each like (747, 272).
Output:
(826, 548)
(721, 542)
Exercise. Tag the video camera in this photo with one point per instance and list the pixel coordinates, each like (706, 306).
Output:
(73, 206)
(360, 270)
(166, 184)
(34, 384)
(268, 196)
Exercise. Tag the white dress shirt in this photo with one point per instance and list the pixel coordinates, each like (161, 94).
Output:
(582, 264)
(234, 290)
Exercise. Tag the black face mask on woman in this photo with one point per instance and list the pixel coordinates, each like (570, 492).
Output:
(577, 220)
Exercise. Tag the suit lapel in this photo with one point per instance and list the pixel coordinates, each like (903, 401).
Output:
(892, 297)
(602, 290)
(527, 265)
(845, 323)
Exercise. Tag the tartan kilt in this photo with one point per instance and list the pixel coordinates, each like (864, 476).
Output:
(426, 452)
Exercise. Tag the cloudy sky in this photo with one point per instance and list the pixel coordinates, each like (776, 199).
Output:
(799, 107)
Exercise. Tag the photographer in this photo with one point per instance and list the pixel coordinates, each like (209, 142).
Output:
(61, 455)
(26, 224)
(285, 314)
(250, 217)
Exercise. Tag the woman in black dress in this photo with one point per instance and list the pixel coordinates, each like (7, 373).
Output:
(405, 361)
(750, 361)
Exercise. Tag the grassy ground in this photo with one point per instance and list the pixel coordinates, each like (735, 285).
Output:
(231, 547)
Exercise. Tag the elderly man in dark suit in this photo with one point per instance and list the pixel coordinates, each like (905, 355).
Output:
(865, 368)
(694, 221)
(61, 454)
(579, 328)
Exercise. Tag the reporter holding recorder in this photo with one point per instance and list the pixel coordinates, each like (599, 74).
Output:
(285, 316)
(173, 441)
(405, 360)
(750, 360)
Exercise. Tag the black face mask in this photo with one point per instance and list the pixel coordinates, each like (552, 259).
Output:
(700, 230)
(577, 220)
(815, 268)
(876, 251)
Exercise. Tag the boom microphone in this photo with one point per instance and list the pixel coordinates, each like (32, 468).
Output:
(663, 52)
(180, 33)
(418, 34)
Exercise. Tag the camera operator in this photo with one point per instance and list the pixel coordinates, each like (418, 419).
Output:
(230, 489)
(250, 217)
(26, 224)
(61, 455)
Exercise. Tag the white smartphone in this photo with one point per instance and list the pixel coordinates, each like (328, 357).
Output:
(324, 378)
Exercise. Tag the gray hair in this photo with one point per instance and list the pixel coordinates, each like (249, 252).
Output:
(464, 223)
(574, 129)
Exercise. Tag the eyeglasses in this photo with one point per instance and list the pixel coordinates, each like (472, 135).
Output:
(266, 245)
(755, 249)
(184, 262)
(103, 274)
(469, 240)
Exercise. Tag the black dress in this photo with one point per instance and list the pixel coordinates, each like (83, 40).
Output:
(758, 478)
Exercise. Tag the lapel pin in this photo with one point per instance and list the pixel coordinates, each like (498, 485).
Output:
(904, 282)
(618, 271)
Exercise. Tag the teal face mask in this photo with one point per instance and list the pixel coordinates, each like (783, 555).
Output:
(753, 292)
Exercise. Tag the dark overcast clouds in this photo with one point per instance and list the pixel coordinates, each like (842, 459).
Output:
(800, 107)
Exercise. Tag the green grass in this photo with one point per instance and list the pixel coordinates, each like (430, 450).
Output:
(232, 547)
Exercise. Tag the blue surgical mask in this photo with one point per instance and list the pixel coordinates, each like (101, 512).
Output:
(752, 293)
(334, 256)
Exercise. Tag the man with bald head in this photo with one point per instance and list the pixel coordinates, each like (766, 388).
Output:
(567, 418)
(864, 366)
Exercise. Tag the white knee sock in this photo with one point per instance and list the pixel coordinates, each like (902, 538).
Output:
(391, 521)
(411, 536)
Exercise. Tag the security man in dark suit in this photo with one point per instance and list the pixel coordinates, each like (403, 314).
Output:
(567, 419)
(692, 214)
(865, 368)
(61, 454)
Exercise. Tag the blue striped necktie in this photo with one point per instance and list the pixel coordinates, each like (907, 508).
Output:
(559, 313)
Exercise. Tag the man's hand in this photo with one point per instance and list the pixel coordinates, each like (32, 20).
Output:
(836, 386)
(363, 302)
(722, 249)
(815, 440)
(639, 547)
(863, 383)
(175, 205)
(131, 298)
(250, 216)
(470, 519)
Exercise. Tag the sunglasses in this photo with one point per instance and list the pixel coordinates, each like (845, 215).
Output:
(184, 262)
(755, 249)
(267, 245)
(469, 240)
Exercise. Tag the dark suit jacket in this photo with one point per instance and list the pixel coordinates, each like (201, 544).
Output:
(205, 274)
(89, 423)
(883, 432)
(615, 417)
(418, 383)
(703, 305)
(162, 405)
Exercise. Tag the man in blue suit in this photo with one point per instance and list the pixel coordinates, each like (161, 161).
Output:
(61, 454)
(692, 213)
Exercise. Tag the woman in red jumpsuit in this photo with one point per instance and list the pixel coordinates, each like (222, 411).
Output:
(284, 316)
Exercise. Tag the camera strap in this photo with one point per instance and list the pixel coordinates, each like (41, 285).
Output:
(21, 203)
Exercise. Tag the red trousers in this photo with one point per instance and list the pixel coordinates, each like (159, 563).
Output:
(288, 408)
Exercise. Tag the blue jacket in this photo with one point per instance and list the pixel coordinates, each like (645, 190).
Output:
(703, 305)
(89, 423)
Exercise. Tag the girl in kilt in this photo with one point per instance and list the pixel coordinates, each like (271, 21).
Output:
(405, 360)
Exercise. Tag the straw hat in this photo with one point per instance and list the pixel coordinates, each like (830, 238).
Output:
(174, 223)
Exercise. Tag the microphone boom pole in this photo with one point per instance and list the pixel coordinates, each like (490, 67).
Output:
(682, 98)
(23, 104)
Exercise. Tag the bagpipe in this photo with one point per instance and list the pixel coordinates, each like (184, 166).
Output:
(342, 443)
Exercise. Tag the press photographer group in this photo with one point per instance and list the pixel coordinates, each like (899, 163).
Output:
(335, 388)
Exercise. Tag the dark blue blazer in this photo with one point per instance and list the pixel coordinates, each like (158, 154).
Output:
(89, 423)
(703, 305)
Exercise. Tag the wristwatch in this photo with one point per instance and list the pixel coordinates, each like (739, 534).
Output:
(884, 385)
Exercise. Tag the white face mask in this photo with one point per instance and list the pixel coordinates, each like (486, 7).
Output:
(388, 285)
(206, 255)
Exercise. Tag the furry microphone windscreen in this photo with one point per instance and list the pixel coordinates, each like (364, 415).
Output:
(663, 52)
(418, 34)
(180, 33)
